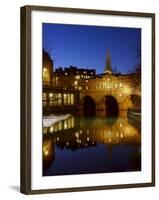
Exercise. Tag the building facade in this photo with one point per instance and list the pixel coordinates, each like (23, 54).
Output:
(83, 91)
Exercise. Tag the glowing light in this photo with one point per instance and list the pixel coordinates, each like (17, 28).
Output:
(67, 143)
(77, 77)
(121, 125)
(51, 129)
(87, 138)
(46, 152)
(50, 94)
(57, 138)
(120, 94)
(45, 70)
(77, 135)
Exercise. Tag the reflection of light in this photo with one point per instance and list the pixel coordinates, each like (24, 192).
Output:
(51, 129)
(65, 125)
(67, 143)
(121, 125)
(110, 139)
(77, 135)
(46, 152)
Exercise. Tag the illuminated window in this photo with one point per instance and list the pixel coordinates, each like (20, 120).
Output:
(116, 85)
(46, 75)
(108, 79)
(59, 99)
(120, 84)
(120, 94)
(50, 95)
(80, 88)
(72, 99)
(86, 87)
(78, 77)
(86, 81)
(44, 96)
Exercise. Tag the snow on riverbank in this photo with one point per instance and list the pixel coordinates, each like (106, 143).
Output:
(52, 119)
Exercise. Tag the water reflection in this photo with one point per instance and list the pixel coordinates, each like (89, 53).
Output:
(110, 145)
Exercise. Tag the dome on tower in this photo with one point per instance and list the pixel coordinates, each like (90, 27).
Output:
(47, 69)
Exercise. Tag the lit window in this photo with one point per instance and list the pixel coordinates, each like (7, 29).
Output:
(120, 84)
(108, 79)
(80, 88)
(46, 76)
(120, 94)
(86, 87)
(50, 94)
(44, 96)
(116, 85)
(86, 81)
(78, 77)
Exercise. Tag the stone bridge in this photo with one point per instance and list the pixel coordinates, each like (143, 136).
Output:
(110, 92)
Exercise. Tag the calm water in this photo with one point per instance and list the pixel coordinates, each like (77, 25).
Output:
(79, 145)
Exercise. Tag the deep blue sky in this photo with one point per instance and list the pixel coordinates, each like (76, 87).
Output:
(85, 46)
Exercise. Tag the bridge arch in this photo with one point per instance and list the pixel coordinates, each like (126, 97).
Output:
(132, 101)
(111, 106)
(88, 106)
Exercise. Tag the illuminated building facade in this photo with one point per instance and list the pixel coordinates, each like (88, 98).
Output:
(77, 89)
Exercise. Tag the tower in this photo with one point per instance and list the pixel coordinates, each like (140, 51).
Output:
(108, 67)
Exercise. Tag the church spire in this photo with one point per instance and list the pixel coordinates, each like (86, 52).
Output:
(108, 67)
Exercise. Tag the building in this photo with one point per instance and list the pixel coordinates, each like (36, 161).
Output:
(83, 91)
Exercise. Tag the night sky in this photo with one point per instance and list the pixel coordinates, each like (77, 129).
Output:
(85, 46)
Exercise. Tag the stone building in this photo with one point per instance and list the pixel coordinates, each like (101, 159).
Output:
(87, 93)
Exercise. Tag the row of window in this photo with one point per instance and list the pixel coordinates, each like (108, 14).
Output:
(102, 86)
(58, 99)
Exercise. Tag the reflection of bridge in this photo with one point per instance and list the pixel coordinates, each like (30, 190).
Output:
(75, 133)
